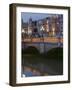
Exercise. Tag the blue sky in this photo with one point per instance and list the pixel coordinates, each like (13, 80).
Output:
(35, 16)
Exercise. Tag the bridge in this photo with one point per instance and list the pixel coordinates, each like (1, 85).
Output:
(42, 44)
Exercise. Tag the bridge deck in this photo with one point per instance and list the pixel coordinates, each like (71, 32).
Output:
(45, 39)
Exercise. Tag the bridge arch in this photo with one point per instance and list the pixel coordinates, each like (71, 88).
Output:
(56, 49)
(41, 47)
(55, 53)
(30, 50)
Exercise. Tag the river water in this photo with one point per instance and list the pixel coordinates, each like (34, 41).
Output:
(37, 66)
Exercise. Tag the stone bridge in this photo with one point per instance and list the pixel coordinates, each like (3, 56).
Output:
(42, 44)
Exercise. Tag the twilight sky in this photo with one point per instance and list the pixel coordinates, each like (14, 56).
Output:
(35, 16)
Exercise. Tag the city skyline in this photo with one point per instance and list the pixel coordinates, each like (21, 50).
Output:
(35, 16)
(45, 25)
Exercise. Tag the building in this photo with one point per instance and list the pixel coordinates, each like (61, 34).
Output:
(48, 27)
(30, 27)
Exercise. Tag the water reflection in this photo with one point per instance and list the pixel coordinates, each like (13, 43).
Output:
(36, 67)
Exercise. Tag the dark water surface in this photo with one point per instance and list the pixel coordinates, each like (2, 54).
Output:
(39, 65)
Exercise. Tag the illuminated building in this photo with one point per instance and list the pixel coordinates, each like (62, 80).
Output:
(47, 27)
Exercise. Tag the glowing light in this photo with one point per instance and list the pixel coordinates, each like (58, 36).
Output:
(42, 28)
(23, 31)
(53, 29)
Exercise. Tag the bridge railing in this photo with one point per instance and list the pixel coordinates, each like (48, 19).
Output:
(45, 39)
